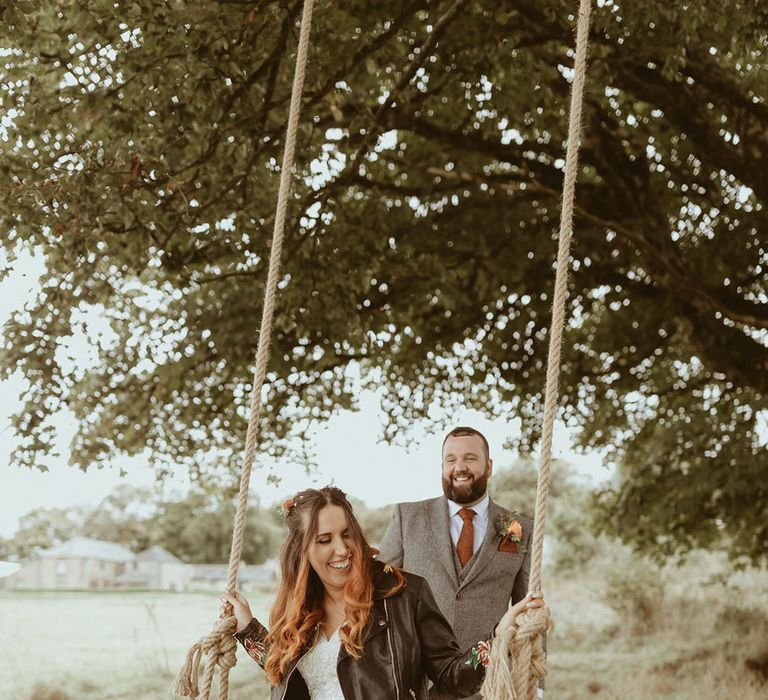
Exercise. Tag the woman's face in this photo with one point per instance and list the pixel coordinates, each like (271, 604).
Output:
(330, 549)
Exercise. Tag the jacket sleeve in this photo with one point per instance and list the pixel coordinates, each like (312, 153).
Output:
(254, 641)
(391, 547)
(452, 670)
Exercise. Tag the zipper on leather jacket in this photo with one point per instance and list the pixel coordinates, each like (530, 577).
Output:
(391, 650)
(296, 665)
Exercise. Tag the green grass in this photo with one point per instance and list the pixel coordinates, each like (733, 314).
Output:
(107, 645)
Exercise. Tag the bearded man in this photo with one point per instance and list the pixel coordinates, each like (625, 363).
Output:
(474, 553)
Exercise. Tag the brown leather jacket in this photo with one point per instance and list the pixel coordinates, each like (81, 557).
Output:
(408, 641)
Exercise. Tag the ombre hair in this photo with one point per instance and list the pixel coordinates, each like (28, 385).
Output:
(298, 607)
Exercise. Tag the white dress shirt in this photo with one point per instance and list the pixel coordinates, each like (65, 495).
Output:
(480, 521)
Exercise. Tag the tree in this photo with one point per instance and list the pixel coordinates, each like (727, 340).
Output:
(122, 517)
(373, 521)
(142, 144)
(198, 529)
(570, 514)
(43, 528)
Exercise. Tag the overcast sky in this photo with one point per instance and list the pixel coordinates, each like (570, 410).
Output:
(348, 448)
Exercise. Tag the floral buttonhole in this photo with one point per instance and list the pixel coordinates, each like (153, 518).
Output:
(510, 533)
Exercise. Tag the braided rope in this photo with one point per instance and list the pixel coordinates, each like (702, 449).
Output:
(524, 641)
(219, 646)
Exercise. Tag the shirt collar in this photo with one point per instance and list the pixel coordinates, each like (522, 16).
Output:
(481, 509)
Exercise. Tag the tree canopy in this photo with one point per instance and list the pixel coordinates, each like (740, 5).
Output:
(140, 150)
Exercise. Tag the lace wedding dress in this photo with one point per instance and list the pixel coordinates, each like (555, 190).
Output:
(318, 669)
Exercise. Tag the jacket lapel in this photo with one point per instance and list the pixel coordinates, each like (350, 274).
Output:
(488, 547)
(437, 513)
(378, 623)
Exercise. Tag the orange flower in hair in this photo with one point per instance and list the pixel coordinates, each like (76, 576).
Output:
(288, 506)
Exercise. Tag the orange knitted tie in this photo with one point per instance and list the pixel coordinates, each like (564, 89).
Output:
(466, 543)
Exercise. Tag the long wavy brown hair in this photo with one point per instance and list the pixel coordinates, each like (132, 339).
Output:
(298, 607)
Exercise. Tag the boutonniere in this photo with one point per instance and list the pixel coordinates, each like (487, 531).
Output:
(510, 532)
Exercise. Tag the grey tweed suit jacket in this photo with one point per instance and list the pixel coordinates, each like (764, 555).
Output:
(475, 598)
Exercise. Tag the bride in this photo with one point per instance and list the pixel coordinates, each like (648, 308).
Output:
(345, 626)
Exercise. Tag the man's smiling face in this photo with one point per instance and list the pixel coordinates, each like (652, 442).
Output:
(466, 469)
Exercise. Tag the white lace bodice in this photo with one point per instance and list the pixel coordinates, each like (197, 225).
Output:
(318, 668)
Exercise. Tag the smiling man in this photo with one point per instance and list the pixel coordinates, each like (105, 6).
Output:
(473, 552)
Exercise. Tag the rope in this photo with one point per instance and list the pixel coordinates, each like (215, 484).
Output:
(525, 644)
(219, 646)
(524, 641)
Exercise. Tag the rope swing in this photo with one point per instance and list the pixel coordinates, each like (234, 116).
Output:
(524, 641)
(220, 646)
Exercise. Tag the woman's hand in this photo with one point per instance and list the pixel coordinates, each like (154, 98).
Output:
(240, 609)
(532, 600)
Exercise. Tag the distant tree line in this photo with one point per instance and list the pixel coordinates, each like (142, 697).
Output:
(198, 526)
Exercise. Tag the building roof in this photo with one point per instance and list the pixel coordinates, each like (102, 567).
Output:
(8, 567)
(156, 553)
(87, 548)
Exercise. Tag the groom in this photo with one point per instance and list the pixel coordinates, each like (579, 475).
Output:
(473, 552)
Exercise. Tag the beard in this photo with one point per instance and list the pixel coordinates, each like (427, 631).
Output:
(467, 492)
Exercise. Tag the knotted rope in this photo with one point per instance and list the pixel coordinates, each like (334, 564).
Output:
(219, 646)
(524, 641)
(525, 645)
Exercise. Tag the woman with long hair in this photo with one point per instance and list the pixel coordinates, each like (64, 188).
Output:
(345, 626)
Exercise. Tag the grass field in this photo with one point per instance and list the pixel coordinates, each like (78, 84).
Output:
(700, 635)
(107, 645)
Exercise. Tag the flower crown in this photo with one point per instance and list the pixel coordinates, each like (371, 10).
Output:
(290, 504)
(299, 498)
